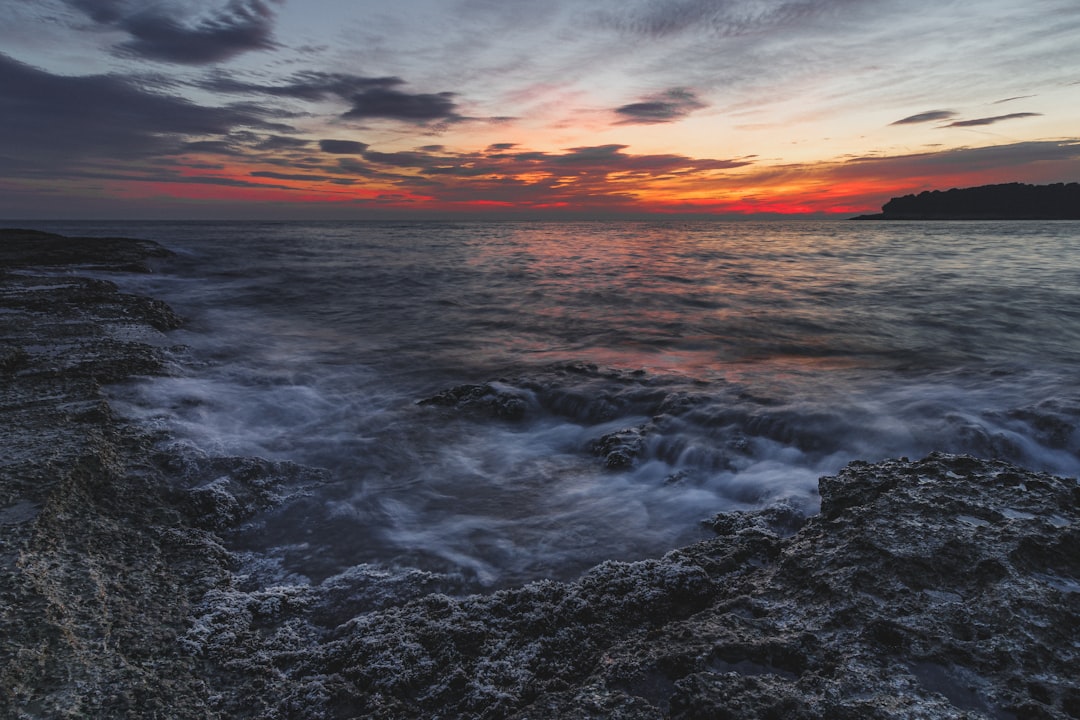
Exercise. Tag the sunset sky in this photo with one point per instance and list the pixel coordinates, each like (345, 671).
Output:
(578, 108)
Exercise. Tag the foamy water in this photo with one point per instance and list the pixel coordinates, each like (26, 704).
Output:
(749, 358)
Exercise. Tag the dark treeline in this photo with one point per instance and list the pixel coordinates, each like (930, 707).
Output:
(1011, 201)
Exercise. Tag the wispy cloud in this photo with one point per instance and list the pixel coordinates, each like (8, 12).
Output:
(1011, 157)
(661, 18)
(664, 107)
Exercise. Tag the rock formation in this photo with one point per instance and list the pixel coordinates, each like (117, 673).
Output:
(1010, 201)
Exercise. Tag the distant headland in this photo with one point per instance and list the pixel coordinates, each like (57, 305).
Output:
(1010, 201)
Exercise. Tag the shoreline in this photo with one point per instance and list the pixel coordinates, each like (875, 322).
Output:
(939, 587)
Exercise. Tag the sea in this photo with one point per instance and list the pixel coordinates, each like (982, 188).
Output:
(659, 373)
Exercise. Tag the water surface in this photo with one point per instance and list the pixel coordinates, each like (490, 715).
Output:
(750, 358)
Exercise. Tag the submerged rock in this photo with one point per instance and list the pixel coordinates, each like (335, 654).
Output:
(620, 448)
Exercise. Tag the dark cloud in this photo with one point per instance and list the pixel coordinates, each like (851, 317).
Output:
(212, 147)
(281, 142)
(991, 120)
(402, 159)
(342, 147)
(1010, 99)
(296, 176)
(353, 166)
(666, 107)
(611, 158)
(171, 177)
(931, 116)
(384, 102)
(57, 119)
(160, 31)
(312, 86)
(370, 97)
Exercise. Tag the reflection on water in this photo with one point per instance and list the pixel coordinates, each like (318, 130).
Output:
(748, 358)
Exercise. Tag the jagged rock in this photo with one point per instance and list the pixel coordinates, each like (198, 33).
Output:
(489, 399)
(942, 588)
(97, 569)
(620, 448)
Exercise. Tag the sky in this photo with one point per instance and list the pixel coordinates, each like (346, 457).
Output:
(341, 109)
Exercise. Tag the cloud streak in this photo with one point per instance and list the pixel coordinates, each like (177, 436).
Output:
(930, 116)
(978, 122)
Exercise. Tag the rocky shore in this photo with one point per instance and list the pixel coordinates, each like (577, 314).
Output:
(947, 587)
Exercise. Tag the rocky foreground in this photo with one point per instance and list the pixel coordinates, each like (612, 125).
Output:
(947, 587)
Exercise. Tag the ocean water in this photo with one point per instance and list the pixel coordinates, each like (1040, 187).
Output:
(737, 362)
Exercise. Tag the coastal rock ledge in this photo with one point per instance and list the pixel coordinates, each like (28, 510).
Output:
(947, 587)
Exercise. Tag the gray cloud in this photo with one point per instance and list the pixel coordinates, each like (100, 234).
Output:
(384, 102)
(931, 116)
(50, 118)
(281, 142)
(665, 107)
(402, 159)
(342, 147)
(299, 176)
(159, 31)
(991, 120)
(370, 97)
(611, 158)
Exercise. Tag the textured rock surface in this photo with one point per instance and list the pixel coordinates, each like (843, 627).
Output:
(942, 588)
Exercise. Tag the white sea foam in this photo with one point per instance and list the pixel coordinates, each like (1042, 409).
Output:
(745, 380)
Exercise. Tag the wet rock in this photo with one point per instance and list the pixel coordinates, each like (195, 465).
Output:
(220, 493)
(488, 400)
(97, 570)
(940, 588)
(620, 448)
(22, 248)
